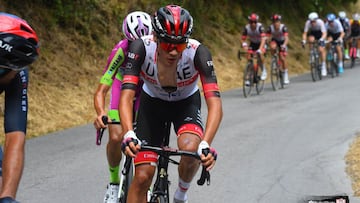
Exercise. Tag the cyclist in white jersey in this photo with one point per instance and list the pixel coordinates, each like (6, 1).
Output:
(170, 65)
(279, 36)
(255, 31)
(315, 31)
(335, 32)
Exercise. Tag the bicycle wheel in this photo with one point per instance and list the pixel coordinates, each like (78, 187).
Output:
(258, 81)
(313, 68)
(333, 69)
(275, 75)
(281, 77)
(127, 179)
(248, 81)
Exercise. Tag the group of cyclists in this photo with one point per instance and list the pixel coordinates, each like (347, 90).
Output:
(276, 36)
(332, 29)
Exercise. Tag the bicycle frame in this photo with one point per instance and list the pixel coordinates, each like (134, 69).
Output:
(160, 191)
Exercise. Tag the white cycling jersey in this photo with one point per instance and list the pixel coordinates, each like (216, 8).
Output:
(318, 26)
(187, 75)
(334, 27)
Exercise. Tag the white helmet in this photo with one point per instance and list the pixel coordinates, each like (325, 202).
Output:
(342, 14)
(313, 16)
(356, 17)
(136, 25)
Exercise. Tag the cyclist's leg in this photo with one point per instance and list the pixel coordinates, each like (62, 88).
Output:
(282, 55)
(273, 47)
(190, 133)
(322, 51)
(113, 152)
(151, 121)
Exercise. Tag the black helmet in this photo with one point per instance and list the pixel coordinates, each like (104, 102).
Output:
(19, 44)
(173, 24)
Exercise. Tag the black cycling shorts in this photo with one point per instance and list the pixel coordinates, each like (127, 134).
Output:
(316, 34)
(155, 114)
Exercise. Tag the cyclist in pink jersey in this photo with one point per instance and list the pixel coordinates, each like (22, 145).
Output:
(135, 25)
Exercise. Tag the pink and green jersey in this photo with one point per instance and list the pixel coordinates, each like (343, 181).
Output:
(113, 75)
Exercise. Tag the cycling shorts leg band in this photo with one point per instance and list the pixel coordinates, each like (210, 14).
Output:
(191, 128)
(143, 157)
(114, 115)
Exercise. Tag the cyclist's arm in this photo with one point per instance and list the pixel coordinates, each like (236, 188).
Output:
(243, 38)
(130, 83)
(286, 36)
(203, 62)
(115, 59)
(263, 37)
(99, 104)
(306, 30)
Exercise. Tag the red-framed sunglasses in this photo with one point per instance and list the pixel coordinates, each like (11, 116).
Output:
(170, 46)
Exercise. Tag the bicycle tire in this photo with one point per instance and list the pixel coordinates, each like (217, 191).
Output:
(125, 187)
(281, 76)
(248, 75)
(333, 69)
(275, 75)
(259, 83)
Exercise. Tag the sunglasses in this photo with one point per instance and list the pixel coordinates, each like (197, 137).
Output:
(252, 21)
(170, 46)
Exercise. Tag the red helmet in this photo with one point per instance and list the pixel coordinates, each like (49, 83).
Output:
(173, 23)
(276, 17)
(19, 44)
(253, 17)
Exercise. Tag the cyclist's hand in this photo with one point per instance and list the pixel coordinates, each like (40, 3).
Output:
(130, 144)
(303, 42)
(321, 42)
(283, 47)
(259, 51)
(98, 123)
(339, 41)
(207, 154)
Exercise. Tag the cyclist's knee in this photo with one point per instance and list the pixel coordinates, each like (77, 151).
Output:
(188, 142)
(143, 175)
(115, 135)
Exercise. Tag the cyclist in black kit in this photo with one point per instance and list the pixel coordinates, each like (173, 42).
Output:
(18, 48)
(170, 63)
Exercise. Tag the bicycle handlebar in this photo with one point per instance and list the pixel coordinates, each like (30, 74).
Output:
(168, 151)
(100, 132)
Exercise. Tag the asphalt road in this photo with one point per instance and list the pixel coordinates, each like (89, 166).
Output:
(281, 146)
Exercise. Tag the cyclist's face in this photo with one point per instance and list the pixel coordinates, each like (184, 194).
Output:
(168, 52)
(252, 23)
(277, 23)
